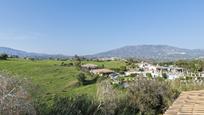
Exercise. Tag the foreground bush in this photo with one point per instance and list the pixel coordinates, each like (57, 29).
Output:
(14, 99)
(151, 96)
(146, 97)
(188, 84)
(143, 97)
(80, 105)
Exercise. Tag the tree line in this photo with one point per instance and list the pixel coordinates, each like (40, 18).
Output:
(190, 65)
(3, 56)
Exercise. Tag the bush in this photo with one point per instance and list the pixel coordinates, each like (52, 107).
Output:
(151, 96)
(101, 66)
(41, 106)
(164, 75)
(66, 64)
(80, 105)
(3, 56)
(81, 78)
(125, 108)
(145, 97)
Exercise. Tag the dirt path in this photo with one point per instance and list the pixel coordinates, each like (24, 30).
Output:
(188, 103)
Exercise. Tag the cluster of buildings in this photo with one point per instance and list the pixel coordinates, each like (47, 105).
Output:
(144, 69)
(171, 72)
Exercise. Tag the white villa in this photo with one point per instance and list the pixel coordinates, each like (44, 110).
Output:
(156, 71)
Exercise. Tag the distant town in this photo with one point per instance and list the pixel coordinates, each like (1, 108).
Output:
(142, 69)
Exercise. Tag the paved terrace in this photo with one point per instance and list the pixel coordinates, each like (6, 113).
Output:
(188, 103)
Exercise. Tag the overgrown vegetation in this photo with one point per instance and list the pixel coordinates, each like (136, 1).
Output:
(14, 98)
(145, 97)
(57, 92)
(79, 105)
(82, 79)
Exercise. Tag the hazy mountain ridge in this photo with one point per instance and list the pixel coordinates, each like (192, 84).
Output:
(163, 52)
(21, 53)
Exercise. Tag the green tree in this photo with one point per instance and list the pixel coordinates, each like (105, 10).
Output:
(77, 62)
(3, 56)
(77, 58)
(81, 77)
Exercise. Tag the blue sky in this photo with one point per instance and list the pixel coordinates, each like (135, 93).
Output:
(90, 26)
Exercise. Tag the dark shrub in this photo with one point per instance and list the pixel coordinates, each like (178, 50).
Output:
(3, 56)
(81, 78)
(164, 75)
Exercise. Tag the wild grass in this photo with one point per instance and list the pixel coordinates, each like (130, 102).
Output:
(50, 78)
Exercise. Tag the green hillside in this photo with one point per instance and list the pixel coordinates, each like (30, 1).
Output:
(49, 77)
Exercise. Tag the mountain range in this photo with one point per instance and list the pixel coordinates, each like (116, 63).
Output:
(160, 52)
(20, 53)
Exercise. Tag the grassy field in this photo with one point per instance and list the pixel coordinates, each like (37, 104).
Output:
(108, 64)
(50, 78)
